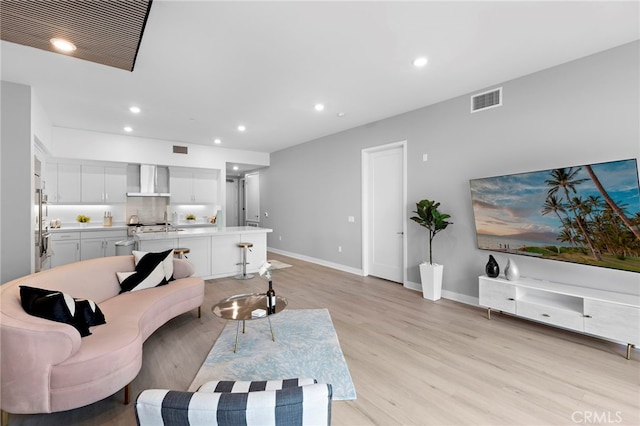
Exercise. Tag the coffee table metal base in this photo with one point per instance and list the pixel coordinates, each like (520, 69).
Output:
(235, 349)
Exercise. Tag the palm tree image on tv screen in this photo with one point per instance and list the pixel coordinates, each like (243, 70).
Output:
(587, 214)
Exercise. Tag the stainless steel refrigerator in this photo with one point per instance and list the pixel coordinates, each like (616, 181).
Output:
(42, 251)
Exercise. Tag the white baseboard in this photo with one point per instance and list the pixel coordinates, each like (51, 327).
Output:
(458, 297)
(413, 286)
(332, 265)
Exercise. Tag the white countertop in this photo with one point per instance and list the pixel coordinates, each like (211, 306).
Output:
(73, 227)
(201, 232)
(88, 227)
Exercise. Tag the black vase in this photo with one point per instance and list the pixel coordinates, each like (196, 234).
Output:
(492, 268)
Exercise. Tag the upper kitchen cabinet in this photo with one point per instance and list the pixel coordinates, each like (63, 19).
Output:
(193, 186)
(62, 182)
(104, 184)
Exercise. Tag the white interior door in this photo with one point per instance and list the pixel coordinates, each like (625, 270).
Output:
(385, 212)
(252, 197)
(232, 203)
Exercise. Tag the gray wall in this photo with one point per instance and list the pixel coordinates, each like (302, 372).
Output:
(16, 195)
(584, 111)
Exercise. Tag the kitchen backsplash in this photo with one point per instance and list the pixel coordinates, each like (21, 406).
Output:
(148, 210)
(68, 213)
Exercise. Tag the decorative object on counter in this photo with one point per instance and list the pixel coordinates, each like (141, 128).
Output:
(428, 216)
(83, 219)
(191, 218)
(219, 219)
(511, 271)
(212, 218)
(56, 223)
(265, 270)
(492, 268)
(107, 219)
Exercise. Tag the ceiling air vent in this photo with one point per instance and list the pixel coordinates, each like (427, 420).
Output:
(486, 100)
(180, 149)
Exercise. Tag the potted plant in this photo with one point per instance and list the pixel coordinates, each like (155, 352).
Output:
(431, 218)
(83, 220)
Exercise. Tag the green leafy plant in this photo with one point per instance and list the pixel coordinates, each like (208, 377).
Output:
(83, 219)
(431, 218)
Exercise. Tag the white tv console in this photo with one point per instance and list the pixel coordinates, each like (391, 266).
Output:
(601, 313)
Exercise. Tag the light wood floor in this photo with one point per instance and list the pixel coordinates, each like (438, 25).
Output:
(413, 361)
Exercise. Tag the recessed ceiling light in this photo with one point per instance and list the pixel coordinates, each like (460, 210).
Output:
(235, 167)
(63, 45)
(340, 114)
(128, 129)
(217, 141)
(241, 128)
(134, 109)
(319, 107)
(420, 62)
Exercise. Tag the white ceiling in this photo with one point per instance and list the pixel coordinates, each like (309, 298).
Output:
(205, 66)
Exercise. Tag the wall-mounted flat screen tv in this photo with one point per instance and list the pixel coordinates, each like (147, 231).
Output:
(587, 214)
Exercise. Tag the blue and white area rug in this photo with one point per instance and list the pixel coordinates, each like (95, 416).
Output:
(306, 346)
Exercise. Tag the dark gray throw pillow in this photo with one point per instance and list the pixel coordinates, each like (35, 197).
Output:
(58, 306)
(89, 312)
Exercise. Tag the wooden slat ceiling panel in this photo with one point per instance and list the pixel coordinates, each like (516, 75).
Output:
(107, 32)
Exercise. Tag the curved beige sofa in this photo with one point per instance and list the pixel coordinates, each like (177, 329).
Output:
(47, 367)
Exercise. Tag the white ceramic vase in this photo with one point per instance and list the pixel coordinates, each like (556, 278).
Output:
(511, 271)
(431, 277)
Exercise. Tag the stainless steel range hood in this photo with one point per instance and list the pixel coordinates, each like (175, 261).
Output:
(154, 182)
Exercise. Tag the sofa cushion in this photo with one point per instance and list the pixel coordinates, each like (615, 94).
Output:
(151, 271)
(52, 305)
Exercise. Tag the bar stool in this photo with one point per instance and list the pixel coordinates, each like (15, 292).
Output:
(244, 263)
(179, 253)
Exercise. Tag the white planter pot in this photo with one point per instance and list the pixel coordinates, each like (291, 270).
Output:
(431, 277)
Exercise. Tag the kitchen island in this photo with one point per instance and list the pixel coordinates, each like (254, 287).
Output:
(213, 251)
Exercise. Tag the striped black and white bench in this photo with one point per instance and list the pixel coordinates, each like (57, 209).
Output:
(289, 402)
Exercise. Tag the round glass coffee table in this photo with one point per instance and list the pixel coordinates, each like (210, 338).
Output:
(245, 307)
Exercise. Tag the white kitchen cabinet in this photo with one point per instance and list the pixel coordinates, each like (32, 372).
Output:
(63, 182)
(199, 254)
(193, 186)
(205, 187)
(601, 313)
(159, 245)
(225, 256)
(258, 253)
(91, 248)
(181, 186)
(65, 247)
(104, 184)
(100, 243)
(252, 197)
